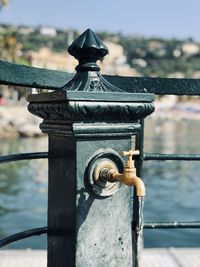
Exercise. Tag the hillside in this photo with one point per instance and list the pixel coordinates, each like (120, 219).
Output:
(142, 56)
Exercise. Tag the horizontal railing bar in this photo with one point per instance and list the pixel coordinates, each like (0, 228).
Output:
(157, 156)
(23, 156)
(171, 225)
(21, 75)
(25, 234)
(14, 74)
(159, 86)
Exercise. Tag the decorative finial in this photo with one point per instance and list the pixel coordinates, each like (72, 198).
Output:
(88, 48)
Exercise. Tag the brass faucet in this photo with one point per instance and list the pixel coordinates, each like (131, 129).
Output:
(129, 176)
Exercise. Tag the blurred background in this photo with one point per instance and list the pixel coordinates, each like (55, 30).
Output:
(145, 38)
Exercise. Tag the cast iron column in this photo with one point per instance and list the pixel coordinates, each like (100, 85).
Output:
(87, 121)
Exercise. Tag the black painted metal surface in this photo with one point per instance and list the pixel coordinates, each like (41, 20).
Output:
(89, 111)
(23, 156)
(25, 234)
(86, 116)
(157, 156)
(62, 200)
(14, 74)
(171, 225)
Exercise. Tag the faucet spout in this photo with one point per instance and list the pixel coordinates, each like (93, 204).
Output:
(129, 176)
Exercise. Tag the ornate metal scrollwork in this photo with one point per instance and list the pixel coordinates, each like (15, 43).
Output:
(84, 111)
(96, 99)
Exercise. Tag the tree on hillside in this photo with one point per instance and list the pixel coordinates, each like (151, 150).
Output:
(3, 3)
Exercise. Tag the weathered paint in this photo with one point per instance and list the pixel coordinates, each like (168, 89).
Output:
(88, 115)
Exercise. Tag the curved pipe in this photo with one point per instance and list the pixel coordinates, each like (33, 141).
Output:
(23, 156)
(128, 178)
(28, 233)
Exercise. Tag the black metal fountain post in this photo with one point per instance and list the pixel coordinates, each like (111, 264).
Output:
(88, 122)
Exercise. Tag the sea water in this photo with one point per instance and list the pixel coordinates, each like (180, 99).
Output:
(172, 188)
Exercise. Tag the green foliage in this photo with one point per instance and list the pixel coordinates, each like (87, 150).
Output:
(149, 56)
(160, 56)
(3, 3)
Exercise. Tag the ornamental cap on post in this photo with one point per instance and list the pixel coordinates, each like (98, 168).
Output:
(88, 48)
(90, 97)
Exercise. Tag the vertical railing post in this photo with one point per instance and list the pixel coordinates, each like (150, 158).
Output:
(89, 121)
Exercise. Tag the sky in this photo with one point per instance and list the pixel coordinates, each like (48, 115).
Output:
(152, 18)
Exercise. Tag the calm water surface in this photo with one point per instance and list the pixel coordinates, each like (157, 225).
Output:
(23, 192)
(173, 188)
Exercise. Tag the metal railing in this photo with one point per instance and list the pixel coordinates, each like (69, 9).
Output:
(13, 74)
(148, 225)
(21, 235)
(31, 232)
(174, 157)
